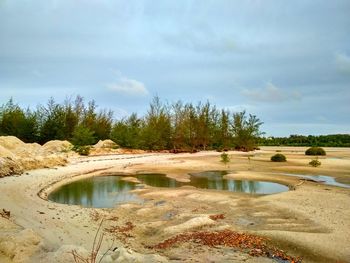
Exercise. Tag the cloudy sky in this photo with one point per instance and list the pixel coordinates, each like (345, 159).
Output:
(288, 62)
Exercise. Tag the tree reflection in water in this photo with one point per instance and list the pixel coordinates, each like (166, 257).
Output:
(215, 180)
(101, 191)
(109, 191)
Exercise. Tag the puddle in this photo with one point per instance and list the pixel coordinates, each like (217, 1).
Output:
(324, 179)
(109, 191)
(99, 192)
(215, 180)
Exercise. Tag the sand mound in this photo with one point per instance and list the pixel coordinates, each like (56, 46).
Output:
(106, 144)
(17, 147)
(105, 147)
(9, 167)
(4, 152)
(11, 142)
(56, 146)
(29, 149)
(17, 156)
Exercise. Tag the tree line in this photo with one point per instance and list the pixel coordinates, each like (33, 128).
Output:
(55, 121)
(178, 126)
(333, 140)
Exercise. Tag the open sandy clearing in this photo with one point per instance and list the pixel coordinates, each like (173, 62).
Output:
(313, 221)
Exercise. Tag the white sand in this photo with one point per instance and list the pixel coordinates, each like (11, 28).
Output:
(314, 217)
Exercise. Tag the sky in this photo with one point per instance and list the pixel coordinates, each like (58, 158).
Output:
(288, 62)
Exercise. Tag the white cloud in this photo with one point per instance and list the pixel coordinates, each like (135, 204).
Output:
(271, 93)
(128, 87)
(342, 62)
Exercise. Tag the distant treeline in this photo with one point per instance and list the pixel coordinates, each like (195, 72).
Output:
(334, 140)
(178, 126)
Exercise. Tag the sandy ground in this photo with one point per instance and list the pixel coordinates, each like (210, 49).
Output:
(312, 221)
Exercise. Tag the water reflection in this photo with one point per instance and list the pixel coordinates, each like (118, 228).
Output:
(215, 180)
(158, 180)
(109, 191)
(101, 191)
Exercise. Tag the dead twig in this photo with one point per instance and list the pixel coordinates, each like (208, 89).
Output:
(96, 246)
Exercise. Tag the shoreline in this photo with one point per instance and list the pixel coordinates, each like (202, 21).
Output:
(287, 216)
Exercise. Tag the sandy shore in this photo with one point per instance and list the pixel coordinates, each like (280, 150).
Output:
(312, 221)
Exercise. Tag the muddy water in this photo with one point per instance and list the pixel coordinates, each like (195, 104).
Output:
(109, 191)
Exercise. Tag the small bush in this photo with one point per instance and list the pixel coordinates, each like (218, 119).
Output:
(315, 151)
(315, 162)
(82, 150)
(278, 158)
(225, 158)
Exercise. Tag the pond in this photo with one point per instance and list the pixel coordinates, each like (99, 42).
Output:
(99, 191)
(109, 191)
(215, 180)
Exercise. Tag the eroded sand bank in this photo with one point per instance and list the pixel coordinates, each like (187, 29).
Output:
(312, 221)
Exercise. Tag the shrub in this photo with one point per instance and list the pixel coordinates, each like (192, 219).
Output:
(315, 162)
(315, 151)
(82, 150)
(225, 158)
(278, 158)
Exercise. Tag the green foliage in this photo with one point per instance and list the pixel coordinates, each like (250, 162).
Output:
(278, 158)
(82, 136)
(53, 119)
(225, 158)
(315, 162)
(334, 140)
(245, 130)
(82, 150)
(178, 126)
(126, 132)
(315, 151)
(156, 131)
(17, 122)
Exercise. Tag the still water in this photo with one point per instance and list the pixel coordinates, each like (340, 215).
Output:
(324, 179)
(99, 191)
(109, 191)
(215, 180)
